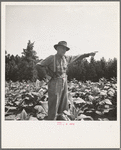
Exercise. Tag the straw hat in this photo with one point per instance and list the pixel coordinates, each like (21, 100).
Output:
(61, 43)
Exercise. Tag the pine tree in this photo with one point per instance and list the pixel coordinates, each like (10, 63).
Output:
(11, 68)
(27, 66)
(91, 70)
(112, 68)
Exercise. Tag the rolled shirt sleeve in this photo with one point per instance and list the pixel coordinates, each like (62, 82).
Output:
(45, 62)
(43, 65)
(71, 59)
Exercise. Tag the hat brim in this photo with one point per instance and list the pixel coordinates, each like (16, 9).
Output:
(67, 48)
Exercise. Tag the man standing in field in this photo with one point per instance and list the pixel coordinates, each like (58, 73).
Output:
(55, 67)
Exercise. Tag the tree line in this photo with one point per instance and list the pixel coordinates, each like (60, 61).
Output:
(23, 68)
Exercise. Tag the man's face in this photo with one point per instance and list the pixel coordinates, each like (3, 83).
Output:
(61, 50)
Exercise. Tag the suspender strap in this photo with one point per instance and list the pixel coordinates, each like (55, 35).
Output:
(54, 65)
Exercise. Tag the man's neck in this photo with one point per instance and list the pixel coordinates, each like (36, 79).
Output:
(59, 56)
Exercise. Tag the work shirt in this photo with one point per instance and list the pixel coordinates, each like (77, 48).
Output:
(56, 66)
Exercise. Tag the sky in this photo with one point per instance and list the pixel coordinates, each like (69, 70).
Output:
(86, 26)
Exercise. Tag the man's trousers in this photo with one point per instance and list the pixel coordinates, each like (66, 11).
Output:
(57, 97)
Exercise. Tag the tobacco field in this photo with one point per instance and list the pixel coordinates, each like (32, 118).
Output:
(89, 101)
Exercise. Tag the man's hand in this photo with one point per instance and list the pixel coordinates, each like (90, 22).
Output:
(93, 53)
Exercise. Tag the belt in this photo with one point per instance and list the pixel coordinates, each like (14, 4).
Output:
(61, 76)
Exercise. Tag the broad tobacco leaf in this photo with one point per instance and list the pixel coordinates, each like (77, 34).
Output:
(39, 109)
(114, 86)
(95, 90)
(103, 93)
(111, 93)
(22, 116)
(10, 117)
(33, 118)
(98, 112)
(78, 100)
(91, 98)
(44, 105)
(10, 108)
(106, 87)
(41, 116)
(66, 112)
(103, 119)
(63, 117)
(106, 101)
(35, 93)
(84, 117)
